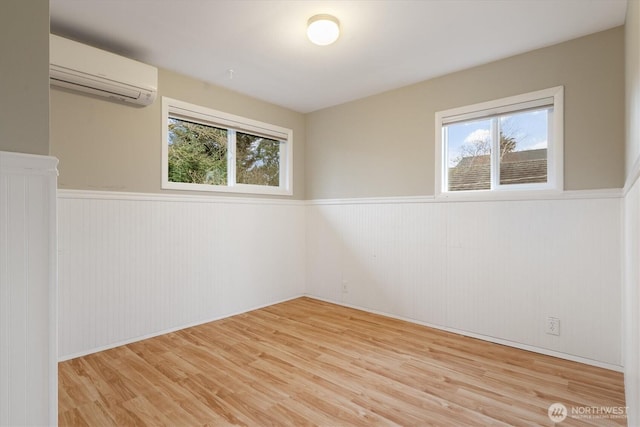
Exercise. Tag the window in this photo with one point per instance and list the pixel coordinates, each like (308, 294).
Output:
(509, 144)
(208, 150)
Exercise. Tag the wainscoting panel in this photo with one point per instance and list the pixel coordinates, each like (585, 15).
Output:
(28, 362)
(494, 269)
(631, 300)
(134, 266)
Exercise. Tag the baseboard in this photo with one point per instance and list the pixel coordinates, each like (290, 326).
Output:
(487, 338)
(168, 331)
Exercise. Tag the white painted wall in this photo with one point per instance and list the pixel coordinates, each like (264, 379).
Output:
(493, 269)
(631, 231)
(632, 85)
(631, 302)
(28, 357)
(137, 265)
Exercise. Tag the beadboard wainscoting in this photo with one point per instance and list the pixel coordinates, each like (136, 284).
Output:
(137, 265)
(133, 266)
(490, 269)
(631, 300)
(28, 362)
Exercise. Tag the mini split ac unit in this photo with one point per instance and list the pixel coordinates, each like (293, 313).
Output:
(87, 69)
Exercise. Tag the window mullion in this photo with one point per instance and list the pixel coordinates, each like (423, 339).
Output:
(231, 158)
(551, 156)
(445, 159)
(495, 152)
(283, 164)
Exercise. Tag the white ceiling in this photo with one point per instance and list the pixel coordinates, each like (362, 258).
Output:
(384, 44)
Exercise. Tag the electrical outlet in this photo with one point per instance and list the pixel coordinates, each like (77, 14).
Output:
(345, 287)
(553, 326)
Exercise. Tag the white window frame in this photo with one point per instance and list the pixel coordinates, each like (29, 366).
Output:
(195, 113)
(555, 161)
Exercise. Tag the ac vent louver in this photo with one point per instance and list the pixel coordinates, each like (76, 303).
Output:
(90, 70)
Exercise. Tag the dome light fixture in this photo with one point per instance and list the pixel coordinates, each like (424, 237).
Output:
(323, 29)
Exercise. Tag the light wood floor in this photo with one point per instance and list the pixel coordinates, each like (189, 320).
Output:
(306, 362)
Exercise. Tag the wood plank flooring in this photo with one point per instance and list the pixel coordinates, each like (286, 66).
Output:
(306, 362)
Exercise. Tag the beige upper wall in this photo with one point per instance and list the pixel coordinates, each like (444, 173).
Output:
(24, 76)
(374, 147)
(632, 68)
(104, 145)
(384, 145)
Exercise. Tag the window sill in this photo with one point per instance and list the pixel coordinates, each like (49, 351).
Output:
(502, 195)
(237, 189)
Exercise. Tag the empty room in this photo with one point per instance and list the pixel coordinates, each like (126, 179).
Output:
(322, 213)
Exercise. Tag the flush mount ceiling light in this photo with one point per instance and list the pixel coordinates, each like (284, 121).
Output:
(323, 29)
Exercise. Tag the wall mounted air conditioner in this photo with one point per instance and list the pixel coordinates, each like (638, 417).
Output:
(86, 69)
